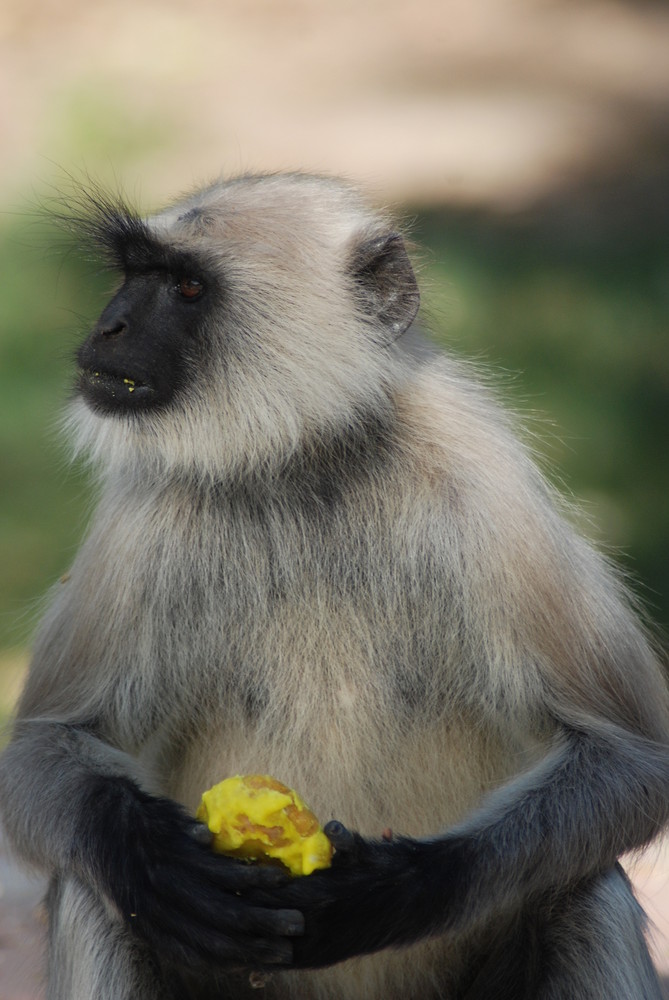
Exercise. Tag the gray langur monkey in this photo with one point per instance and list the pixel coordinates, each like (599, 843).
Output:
(316, 558)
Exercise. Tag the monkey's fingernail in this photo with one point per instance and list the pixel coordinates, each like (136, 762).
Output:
(291, 923)
(201, 833)
(387, 834)
(258, 980)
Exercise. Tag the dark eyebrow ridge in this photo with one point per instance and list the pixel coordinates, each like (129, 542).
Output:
(127, 243)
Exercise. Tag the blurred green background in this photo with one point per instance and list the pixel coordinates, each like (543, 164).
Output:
(526, 144)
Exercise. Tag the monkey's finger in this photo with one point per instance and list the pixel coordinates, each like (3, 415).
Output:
(228, 934)
(213, 897)
(256, 875)
(197, 947)
(201, 834)
(201, 865)
(285, 923)
(339, 836)
(232, 913)
(347, 845)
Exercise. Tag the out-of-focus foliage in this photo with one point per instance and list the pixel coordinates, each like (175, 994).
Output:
(43, 501)
(580, 327)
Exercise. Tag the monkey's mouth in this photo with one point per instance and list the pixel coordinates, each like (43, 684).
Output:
(111, 391)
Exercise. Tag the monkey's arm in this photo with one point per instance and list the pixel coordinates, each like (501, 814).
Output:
(72, 806)
(597, 794)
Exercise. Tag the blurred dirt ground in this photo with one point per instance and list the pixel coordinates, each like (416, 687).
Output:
(503, 105)
(22, 931)
(650, 876)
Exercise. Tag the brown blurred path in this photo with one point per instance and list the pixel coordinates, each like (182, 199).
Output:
(21, 933)
(650, 875)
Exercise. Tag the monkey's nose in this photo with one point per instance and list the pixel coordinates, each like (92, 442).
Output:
(113, 329)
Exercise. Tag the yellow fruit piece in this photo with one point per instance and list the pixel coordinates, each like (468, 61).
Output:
(255, 816)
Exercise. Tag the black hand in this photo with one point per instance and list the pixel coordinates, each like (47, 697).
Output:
(377, 894)
(192, 906)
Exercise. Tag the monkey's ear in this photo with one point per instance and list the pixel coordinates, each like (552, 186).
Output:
(385, 283)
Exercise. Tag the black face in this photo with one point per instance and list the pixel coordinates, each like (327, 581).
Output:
(138, 355)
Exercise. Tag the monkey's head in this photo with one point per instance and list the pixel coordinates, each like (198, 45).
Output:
(252, 316)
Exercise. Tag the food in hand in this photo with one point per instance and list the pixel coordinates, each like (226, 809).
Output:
(256, 817)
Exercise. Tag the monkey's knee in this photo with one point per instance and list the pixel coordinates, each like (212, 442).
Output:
(91, 954)
(595, 945)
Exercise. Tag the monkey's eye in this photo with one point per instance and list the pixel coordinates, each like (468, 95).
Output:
(189, 288)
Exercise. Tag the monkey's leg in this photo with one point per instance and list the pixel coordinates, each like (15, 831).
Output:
(92, 955)
(595, 945)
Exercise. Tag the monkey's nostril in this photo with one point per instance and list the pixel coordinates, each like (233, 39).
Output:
(114, 329)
